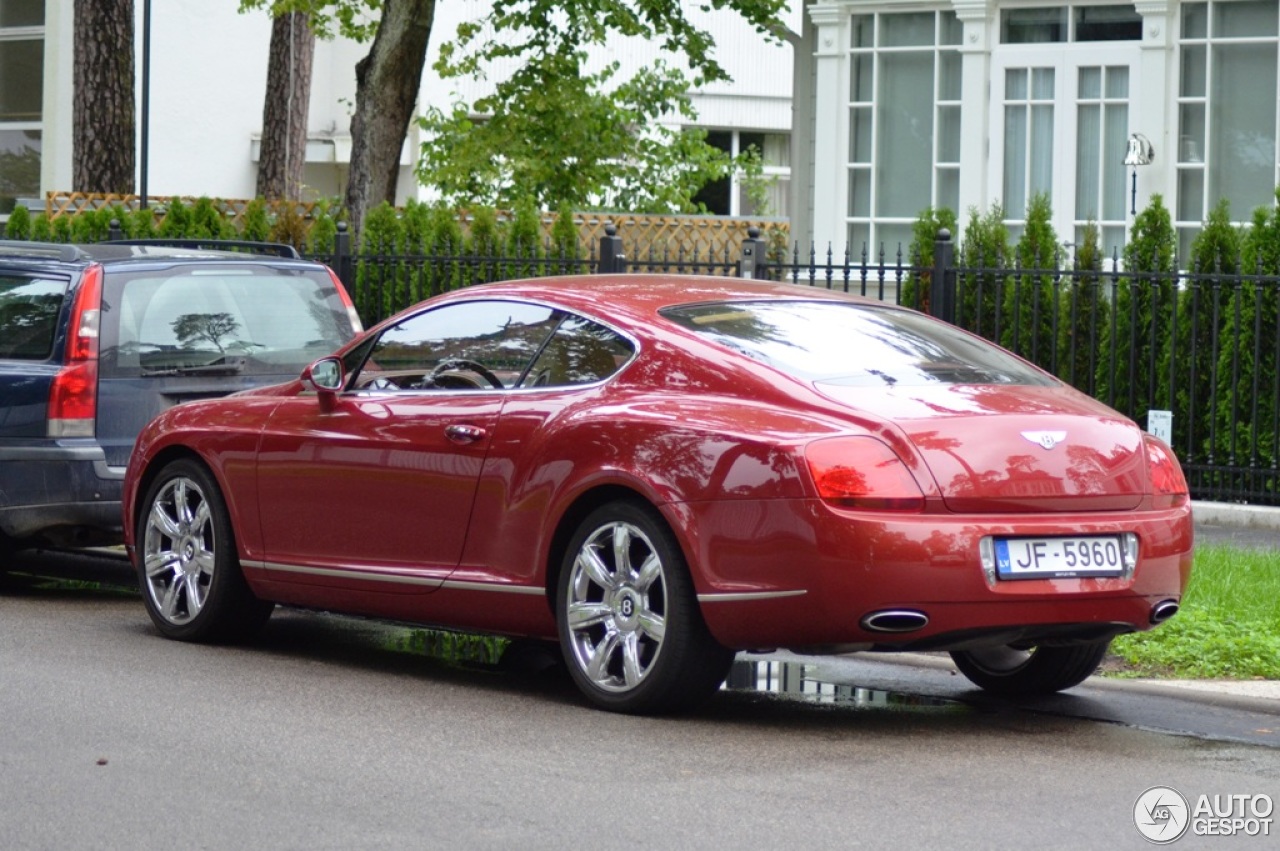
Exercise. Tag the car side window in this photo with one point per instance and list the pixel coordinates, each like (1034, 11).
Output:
(580, 352)
(29, 316)
(467, 346)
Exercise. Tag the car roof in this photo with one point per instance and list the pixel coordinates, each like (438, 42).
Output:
(640, 295)
(145, 250)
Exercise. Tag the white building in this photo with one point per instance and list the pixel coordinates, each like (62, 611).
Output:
(962, 103)
(899, 105)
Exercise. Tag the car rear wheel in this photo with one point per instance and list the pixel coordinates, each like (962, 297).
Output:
(187, 564)
(630, 627)
(1016, 672)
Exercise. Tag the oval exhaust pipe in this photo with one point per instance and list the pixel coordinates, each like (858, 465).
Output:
(1163, 610)
(895, 620)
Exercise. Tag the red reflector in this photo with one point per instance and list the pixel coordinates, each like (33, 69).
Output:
(862, 472)
(1168, 485)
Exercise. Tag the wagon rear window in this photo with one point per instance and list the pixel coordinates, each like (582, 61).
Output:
(852, 344)
(29, 316)
(262, 319)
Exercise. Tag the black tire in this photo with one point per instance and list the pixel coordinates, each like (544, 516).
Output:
(634, 640)
(1014, 672)
(188, 567)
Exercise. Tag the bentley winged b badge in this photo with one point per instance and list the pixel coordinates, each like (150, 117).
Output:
(1047, 439)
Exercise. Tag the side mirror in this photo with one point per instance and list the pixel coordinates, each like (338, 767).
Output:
(326, 377)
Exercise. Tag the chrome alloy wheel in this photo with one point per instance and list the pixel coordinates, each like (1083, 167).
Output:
(616, 606)
(178, 551)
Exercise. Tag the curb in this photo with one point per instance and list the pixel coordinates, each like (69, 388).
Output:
(1260, 517)
(1253, 695)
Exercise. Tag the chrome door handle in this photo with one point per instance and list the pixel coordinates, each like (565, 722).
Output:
(463, 434)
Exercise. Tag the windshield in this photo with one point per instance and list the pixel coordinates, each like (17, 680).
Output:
(854, 344)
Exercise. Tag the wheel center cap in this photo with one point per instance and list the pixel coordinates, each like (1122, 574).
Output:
(626, 608)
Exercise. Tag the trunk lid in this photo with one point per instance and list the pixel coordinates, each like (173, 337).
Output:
(1014, 448)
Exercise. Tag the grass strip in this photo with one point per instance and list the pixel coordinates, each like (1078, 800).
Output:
(1228, 626)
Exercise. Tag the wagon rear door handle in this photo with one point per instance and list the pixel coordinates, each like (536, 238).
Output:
(463, 434)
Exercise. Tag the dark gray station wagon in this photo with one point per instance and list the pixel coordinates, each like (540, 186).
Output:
(95, 340)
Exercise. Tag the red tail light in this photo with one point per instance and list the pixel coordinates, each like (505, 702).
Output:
(862, 472)
(73, 396)
(356, 324)
(1168, 485)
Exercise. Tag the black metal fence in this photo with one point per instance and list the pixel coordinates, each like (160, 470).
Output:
(1194, 356)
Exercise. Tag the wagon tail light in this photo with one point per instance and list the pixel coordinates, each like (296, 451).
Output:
(354, 315)
(862, 472)
(1168, 485)
(73, 396)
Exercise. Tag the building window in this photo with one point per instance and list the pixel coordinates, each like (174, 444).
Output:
(1059, 24)
(741, 194)
(1226, 110)
(1102, 128)
(21, 99)
(904, 125)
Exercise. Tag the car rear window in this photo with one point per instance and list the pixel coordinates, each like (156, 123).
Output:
(853, 344)
(29, 315)
(253, 319)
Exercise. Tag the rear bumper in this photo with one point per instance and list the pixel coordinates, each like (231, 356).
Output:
(796, 574)
(64, 494)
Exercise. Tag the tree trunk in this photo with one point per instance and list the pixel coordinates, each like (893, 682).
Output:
(103, 158)
(284, 113)
(387, 83)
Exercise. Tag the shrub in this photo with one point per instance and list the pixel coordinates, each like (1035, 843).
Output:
(981, 292)
(255, 225)
(565, 242)
(1082, 314)
(917, 286)
(322, 236)
(208, 222)
(60, 229)
(141, 223)
(1246, 405)
(445, 242)
(1137, 336)
(484, 242)
(1197, 344)
(289, 227)
(523, 239)
(42, 228)
(1028, 304)
(380, 280)
(19, 224)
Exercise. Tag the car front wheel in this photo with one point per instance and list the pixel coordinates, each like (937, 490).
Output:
(187, 564)
(1016, 672)
(630, 627)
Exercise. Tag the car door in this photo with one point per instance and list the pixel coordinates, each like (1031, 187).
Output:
(376, 491)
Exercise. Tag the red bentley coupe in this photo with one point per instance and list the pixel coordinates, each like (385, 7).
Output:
(658, 471)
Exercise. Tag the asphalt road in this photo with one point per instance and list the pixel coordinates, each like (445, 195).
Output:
(333, 732)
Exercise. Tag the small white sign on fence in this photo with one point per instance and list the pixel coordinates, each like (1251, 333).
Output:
(1160, 424)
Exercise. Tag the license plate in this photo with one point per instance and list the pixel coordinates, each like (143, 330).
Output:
(1047, 558)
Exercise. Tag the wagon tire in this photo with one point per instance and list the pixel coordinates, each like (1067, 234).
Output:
(1014, 672)
(631, 631)
(188, 567)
